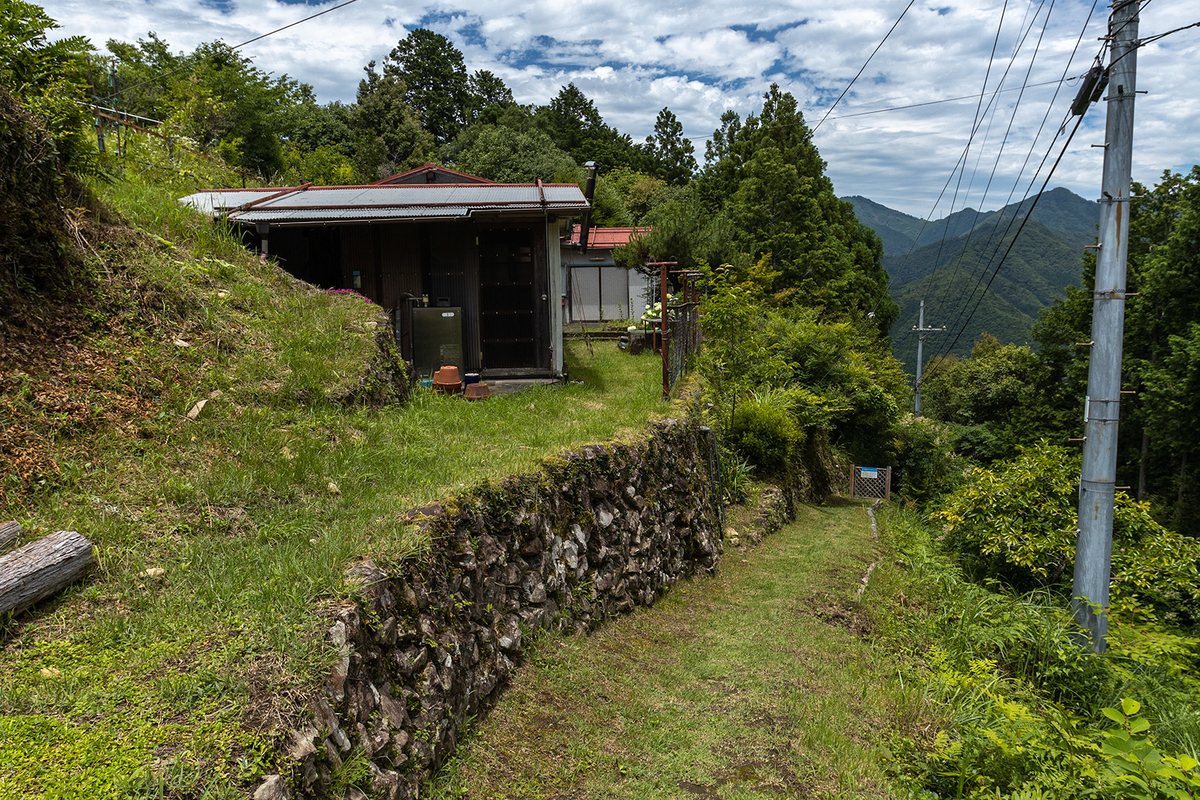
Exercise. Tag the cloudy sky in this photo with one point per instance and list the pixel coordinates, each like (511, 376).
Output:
(702, 57)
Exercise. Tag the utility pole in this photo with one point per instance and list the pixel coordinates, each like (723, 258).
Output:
(921, 331)
(1102, 406)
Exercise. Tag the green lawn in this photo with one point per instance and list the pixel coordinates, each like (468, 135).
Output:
(252, 512)
(760, 682)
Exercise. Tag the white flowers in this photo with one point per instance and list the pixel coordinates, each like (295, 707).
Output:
(655, 311)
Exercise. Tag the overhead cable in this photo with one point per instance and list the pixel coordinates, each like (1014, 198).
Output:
(1016, 236)
(1025, 196)
(1004, 141)
(970, 139)
(234, 47)
(950, 99)
(864, 66)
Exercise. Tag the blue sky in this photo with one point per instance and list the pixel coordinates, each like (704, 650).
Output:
(705, 56)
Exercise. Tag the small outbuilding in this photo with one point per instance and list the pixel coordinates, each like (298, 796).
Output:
(597, 289)
(469, 269)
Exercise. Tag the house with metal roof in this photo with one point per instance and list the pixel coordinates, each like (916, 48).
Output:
(469, 271)
(597, 289)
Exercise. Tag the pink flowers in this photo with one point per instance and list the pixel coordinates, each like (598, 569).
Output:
(350, 291)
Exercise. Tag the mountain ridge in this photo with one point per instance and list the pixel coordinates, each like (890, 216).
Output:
(951, 273)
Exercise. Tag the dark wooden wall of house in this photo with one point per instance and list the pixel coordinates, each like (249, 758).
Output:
(311, 254)
(452, 273)
(439, 260)
(358, 256)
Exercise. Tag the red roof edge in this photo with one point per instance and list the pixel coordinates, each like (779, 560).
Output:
(607, 238)
(428, 165)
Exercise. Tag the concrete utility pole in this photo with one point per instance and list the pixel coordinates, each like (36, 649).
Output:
(921, 331)
(1102, 406)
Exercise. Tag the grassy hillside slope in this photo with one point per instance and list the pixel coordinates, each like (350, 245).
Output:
(222, 530)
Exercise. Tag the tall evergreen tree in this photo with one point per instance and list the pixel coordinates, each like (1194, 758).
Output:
(435, 81)
(574, 124)
(487, 98)
(672, 157)
(772, 182)
(389, 136)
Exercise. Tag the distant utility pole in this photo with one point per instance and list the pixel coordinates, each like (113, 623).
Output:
(921, 331)
(1102, 406)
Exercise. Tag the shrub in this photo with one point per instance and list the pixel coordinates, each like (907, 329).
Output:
(1025, 712)
(765, 434)
(35, 249)
(736, 475)
(1019, 520)
(927, 464)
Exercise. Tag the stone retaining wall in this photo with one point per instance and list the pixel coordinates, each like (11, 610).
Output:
(592, 535)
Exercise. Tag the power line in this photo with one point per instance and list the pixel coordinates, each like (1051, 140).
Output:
(1046, 116)
(1156, 37)
(970, 139)
(952, 99)
(1032, 146)
(864, 66)
(1016, 236)
(959, 99)
(1004, 141)
(234, 47)
(1016, 211)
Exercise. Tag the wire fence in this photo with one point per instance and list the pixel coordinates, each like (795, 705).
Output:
(683, 333)
(680, 321)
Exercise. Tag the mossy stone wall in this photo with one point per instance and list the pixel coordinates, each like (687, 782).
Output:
(590, 535)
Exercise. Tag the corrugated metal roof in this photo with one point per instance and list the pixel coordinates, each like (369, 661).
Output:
(402, 201)
(338, 214)
(225, 199)
(422, 174)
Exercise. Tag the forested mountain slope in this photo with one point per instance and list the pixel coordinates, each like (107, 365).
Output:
(950, 274)
(1035, 274)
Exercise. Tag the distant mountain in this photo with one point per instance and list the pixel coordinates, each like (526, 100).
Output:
(897, 229)
(950, 274)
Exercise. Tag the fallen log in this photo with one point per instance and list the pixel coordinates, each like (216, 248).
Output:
(41, 569)
(9, 533)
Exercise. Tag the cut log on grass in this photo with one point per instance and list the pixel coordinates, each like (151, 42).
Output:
(41, 569)
(9, 533)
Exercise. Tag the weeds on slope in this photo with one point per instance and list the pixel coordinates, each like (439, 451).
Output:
(1027, 713)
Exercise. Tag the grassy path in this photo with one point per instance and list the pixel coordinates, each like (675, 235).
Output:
(758, 682)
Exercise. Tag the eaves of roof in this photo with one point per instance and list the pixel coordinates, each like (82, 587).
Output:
(389, 202)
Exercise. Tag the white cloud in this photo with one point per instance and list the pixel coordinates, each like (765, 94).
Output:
(702, 57)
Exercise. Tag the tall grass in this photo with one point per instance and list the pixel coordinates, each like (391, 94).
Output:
(1021, 699)
(253, 509)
